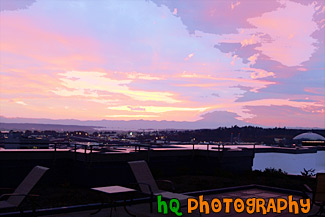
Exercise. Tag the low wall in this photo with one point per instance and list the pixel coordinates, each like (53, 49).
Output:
(99, 169)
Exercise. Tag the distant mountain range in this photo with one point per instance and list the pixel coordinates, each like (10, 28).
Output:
(208, 121)
(211, 120)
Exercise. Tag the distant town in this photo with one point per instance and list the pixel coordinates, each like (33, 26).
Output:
(34, 139)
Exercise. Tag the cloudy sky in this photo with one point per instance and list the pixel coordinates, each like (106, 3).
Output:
(259, 62)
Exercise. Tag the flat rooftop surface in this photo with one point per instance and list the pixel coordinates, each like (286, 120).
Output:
(143, 209)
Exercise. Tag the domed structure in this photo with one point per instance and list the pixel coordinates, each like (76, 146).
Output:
(309, 137)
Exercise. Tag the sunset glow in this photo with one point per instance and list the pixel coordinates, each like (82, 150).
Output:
(164, 60)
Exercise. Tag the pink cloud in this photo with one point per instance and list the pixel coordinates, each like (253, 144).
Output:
(175, 11)
(44, 43)
(189, 56)
(259, 73)
(293, 21)
(115, 62)
(285, 116)
(233, 5)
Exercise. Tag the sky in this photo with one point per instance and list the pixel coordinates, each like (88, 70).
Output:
(248, 61)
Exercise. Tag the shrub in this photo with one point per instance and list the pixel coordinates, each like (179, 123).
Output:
(308, 173)
(274, 172)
